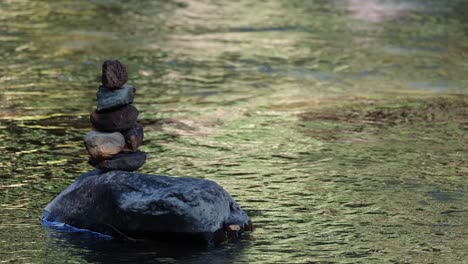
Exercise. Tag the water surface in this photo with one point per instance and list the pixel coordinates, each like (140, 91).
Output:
(339, 126)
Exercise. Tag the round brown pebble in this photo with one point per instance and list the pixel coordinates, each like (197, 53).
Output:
(103, 145)
(120, 119)
(114, 74)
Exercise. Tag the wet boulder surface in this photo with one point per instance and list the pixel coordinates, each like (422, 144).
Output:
(151, 207)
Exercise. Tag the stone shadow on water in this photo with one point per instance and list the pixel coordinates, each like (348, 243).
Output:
(96, 248)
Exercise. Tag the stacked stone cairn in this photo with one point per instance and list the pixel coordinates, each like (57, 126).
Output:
(114, 142)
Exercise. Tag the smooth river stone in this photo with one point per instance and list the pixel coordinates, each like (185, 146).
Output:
(147, 206)
(102, 145)
(120, 119)
(114, 74)
(133, 138)
(123, 161)
(113, 98)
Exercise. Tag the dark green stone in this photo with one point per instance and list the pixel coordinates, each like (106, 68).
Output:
(113, 98)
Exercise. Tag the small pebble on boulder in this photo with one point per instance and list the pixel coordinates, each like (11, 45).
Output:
(102, 145)
(130, 161)
(113, 98)
(133, 138)
(120, 119)
(114, 74)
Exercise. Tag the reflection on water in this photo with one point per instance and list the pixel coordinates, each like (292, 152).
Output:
(379, 11)
(94, 249)
(339, 126)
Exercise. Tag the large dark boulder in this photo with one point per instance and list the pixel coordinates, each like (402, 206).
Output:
(145, 206)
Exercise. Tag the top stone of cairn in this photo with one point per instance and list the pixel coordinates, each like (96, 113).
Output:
(114, 74)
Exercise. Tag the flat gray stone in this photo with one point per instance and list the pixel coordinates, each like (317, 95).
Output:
(113, 98)
(146, 206)
(130, 161)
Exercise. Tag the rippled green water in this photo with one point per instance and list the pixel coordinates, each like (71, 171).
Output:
(339, 126)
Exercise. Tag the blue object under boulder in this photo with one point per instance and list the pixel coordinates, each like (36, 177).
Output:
(144, 206)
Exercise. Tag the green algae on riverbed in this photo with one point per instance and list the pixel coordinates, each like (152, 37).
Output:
(399, 168)
(448, 109)
(419, 136)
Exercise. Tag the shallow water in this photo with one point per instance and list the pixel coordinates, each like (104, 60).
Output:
(339, 126)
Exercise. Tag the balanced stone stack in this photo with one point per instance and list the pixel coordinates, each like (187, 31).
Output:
(114, 143)
(112, 200)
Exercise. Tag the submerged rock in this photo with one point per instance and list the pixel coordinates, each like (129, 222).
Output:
(114, 74)
(120, 119)
(145, 206)
(103, 145)
(130, 161)
(114, 98)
